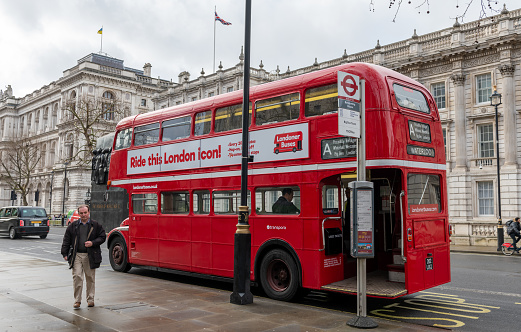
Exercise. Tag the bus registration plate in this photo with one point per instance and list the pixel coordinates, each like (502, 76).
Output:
(429, 265)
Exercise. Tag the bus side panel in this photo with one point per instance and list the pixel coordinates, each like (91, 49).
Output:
(223, 228)
(201, 244)
(174, 242)
(310, 272)
(143, 239)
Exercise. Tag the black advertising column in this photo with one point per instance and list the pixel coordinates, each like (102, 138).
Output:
(242, 245)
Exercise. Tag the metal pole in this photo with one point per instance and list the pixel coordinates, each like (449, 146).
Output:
(242, 245)
(361, 320)
(500, 234)
(50, 193)
(63, 198)
(214, 22)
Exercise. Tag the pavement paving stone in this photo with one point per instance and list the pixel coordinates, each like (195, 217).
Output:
(36, 293)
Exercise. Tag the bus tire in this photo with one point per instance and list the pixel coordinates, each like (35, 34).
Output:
(276, 151)
(43, 236)
(279, 275)
(118, 255)
(294, 149)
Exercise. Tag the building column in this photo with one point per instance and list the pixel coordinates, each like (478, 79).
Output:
(459, 119)
(509, 113)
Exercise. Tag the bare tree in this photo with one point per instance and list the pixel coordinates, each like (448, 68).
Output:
(488, 7)
(18, 160)
(91, 118)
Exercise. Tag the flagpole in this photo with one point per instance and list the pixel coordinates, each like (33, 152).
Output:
(101, 49)
(214, 20)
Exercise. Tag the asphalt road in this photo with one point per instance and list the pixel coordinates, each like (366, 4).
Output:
(483, 294)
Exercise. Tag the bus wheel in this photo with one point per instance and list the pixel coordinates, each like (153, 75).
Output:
(294, 149)
(276, 151)
(279, 275)
(118, 255)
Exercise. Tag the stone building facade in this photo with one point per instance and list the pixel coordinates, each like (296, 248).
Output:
(460, 65)
(43, 118)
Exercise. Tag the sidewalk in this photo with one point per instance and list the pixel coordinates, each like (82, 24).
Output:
(36, 294)
(475, 250)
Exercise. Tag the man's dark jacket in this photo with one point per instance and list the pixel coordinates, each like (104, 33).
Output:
(97, 237)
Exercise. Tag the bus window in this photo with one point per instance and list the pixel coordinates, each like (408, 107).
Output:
(265, 199)
(146, 134)
(144, 203)
(176, 128)
(411, 98)
(330, 200)
(277, 109)
(201, 202)
(424, 193)
(322, 100)
(226, 202)
(203, 123)
(228, 118)
(123, 139)
(175, 202)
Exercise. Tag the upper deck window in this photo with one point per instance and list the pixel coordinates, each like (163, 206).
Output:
(277, 109)
(176, 128)
(321, 100)
(411, 98)
(146, 134)
(229, 118)
(123, 138)
(203, 123)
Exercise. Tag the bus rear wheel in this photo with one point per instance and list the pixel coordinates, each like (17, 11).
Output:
(118, 256)
(279, 275)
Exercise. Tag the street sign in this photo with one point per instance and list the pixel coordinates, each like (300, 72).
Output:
(348, 105)
(348, 123)
(348, 86)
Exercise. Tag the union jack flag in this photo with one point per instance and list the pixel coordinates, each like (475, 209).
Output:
(217, 18)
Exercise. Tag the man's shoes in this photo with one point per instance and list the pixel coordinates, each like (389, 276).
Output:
(91, 304)
(76, 305)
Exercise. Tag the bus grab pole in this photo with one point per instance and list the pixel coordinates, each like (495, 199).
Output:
(242, 244)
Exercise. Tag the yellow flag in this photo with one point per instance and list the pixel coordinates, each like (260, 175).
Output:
(100, 31)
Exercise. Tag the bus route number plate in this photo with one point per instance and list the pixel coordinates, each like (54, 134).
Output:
(429, 265)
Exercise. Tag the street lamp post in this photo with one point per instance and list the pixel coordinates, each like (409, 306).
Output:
(63, 198)
(50, 193)
(495, 100)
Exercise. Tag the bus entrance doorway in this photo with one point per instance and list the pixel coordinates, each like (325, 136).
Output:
(385, 272)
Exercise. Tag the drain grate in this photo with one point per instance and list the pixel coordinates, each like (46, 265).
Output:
(131, 305)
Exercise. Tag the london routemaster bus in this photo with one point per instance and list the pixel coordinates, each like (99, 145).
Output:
(181, 169)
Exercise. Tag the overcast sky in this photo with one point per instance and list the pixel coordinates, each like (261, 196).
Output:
(41, 39)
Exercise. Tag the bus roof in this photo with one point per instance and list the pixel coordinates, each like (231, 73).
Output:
(375, 74)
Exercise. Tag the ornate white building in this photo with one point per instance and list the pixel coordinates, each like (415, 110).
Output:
(460, 65)
(43, 118)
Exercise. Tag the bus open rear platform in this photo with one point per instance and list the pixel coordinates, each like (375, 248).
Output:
(377, 285)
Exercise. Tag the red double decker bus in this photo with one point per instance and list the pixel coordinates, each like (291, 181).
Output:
(181, 169)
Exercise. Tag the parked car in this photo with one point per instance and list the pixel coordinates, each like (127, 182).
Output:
(20, 221)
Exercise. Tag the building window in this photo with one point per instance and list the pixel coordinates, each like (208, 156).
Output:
(211, 94)
(108, 106)
(438, 92)
(143, 102)
(483, 88)
(194, 98)
(485, 141)
(229, 89)
(485, 198)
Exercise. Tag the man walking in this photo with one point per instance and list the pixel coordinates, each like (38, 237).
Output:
(85, 237)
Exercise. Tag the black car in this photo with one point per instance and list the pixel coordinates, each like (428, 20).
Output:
(20, 221)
